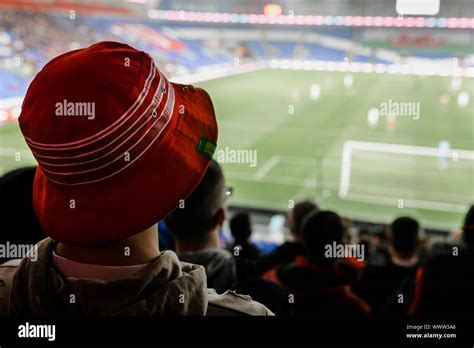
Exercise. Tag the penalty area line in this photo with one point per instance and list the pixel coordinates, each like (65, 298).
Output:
(265, 169)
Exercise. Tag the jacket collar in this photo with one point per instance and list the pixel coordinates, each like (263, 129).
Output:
(304, 275)
(163, 286)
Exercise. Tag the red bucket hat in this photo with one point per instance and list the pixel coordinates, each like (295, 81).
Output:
(117, 145)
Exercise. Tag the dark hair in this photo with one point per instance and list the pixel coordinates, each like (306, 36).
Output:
(19, 222)
(404, 235)
(241, 227)
(468, 228)
(299, 212)
(320, 229)
(196, 219)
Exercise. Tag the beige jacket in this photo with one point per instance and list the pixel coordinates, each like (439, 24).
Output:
(165, 287)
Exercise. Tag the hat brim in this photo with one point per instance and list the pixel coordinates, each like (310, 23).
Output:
(137, 198)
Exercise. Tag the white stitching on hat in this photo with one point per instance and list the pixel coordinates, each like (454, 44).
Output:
(161, 83)
(116, 124)
(167, 111)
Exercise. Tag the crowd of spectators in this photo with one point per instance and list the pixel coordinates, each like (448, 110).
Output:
(398, 276)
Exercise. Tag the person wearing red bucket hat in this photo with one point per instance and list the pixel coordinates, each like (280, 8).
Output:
(118, 148)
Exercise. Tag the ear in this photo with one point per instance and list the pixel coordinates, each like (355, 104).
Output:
(289, 221)
(389, 236)
(220, 217)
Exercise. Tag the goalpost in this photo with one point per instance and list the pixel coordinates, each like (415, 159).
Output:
(351, 145)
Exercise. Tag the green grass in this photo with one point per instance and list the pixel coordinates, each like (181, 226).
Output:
(253, 113)
(14, 152)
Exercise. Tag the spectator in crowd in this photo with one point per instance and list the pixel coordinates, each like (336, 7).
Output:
(288, 251)
(103, 256)
(195, 227)
(320, 288)
(445, 283)
(468, 228)
(241, 230)
(375, 251)
(389, 287)
(19, 222)
(351, 264)
(248, 281)
(42, 36)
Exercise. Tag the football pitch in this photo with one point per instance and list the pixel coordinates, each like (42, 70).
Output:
(300, 154)
(324, 147)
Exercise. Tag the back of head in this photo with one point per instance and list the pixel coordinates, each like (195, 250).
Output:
(404, 233)
(468, 228)
(19, 222)
(320, 229)
(241, 227)
(193, 221)
(298, 213)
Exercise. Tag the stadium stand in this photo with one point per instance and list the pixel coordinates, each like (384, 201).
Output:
(184, 47)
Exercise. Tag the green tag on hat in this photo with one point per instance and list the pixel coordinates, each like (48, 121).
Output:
(206, 147)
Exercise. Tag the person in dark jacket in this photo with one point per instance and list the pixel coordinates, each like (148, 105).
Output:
(246, 254)
(195, 227)
(241, 230)
(19, 222)
(320, 288)
(389, 287)
(288, 251)
(445, 284)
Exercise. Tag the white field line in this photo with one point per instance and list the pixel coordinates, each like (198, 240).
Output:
(331, 162)
(407, 149)
(279, 180)
(265, 169)
(384, 196)
(407, 203)
(356, 197)
(302, 161)
(309, 183)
